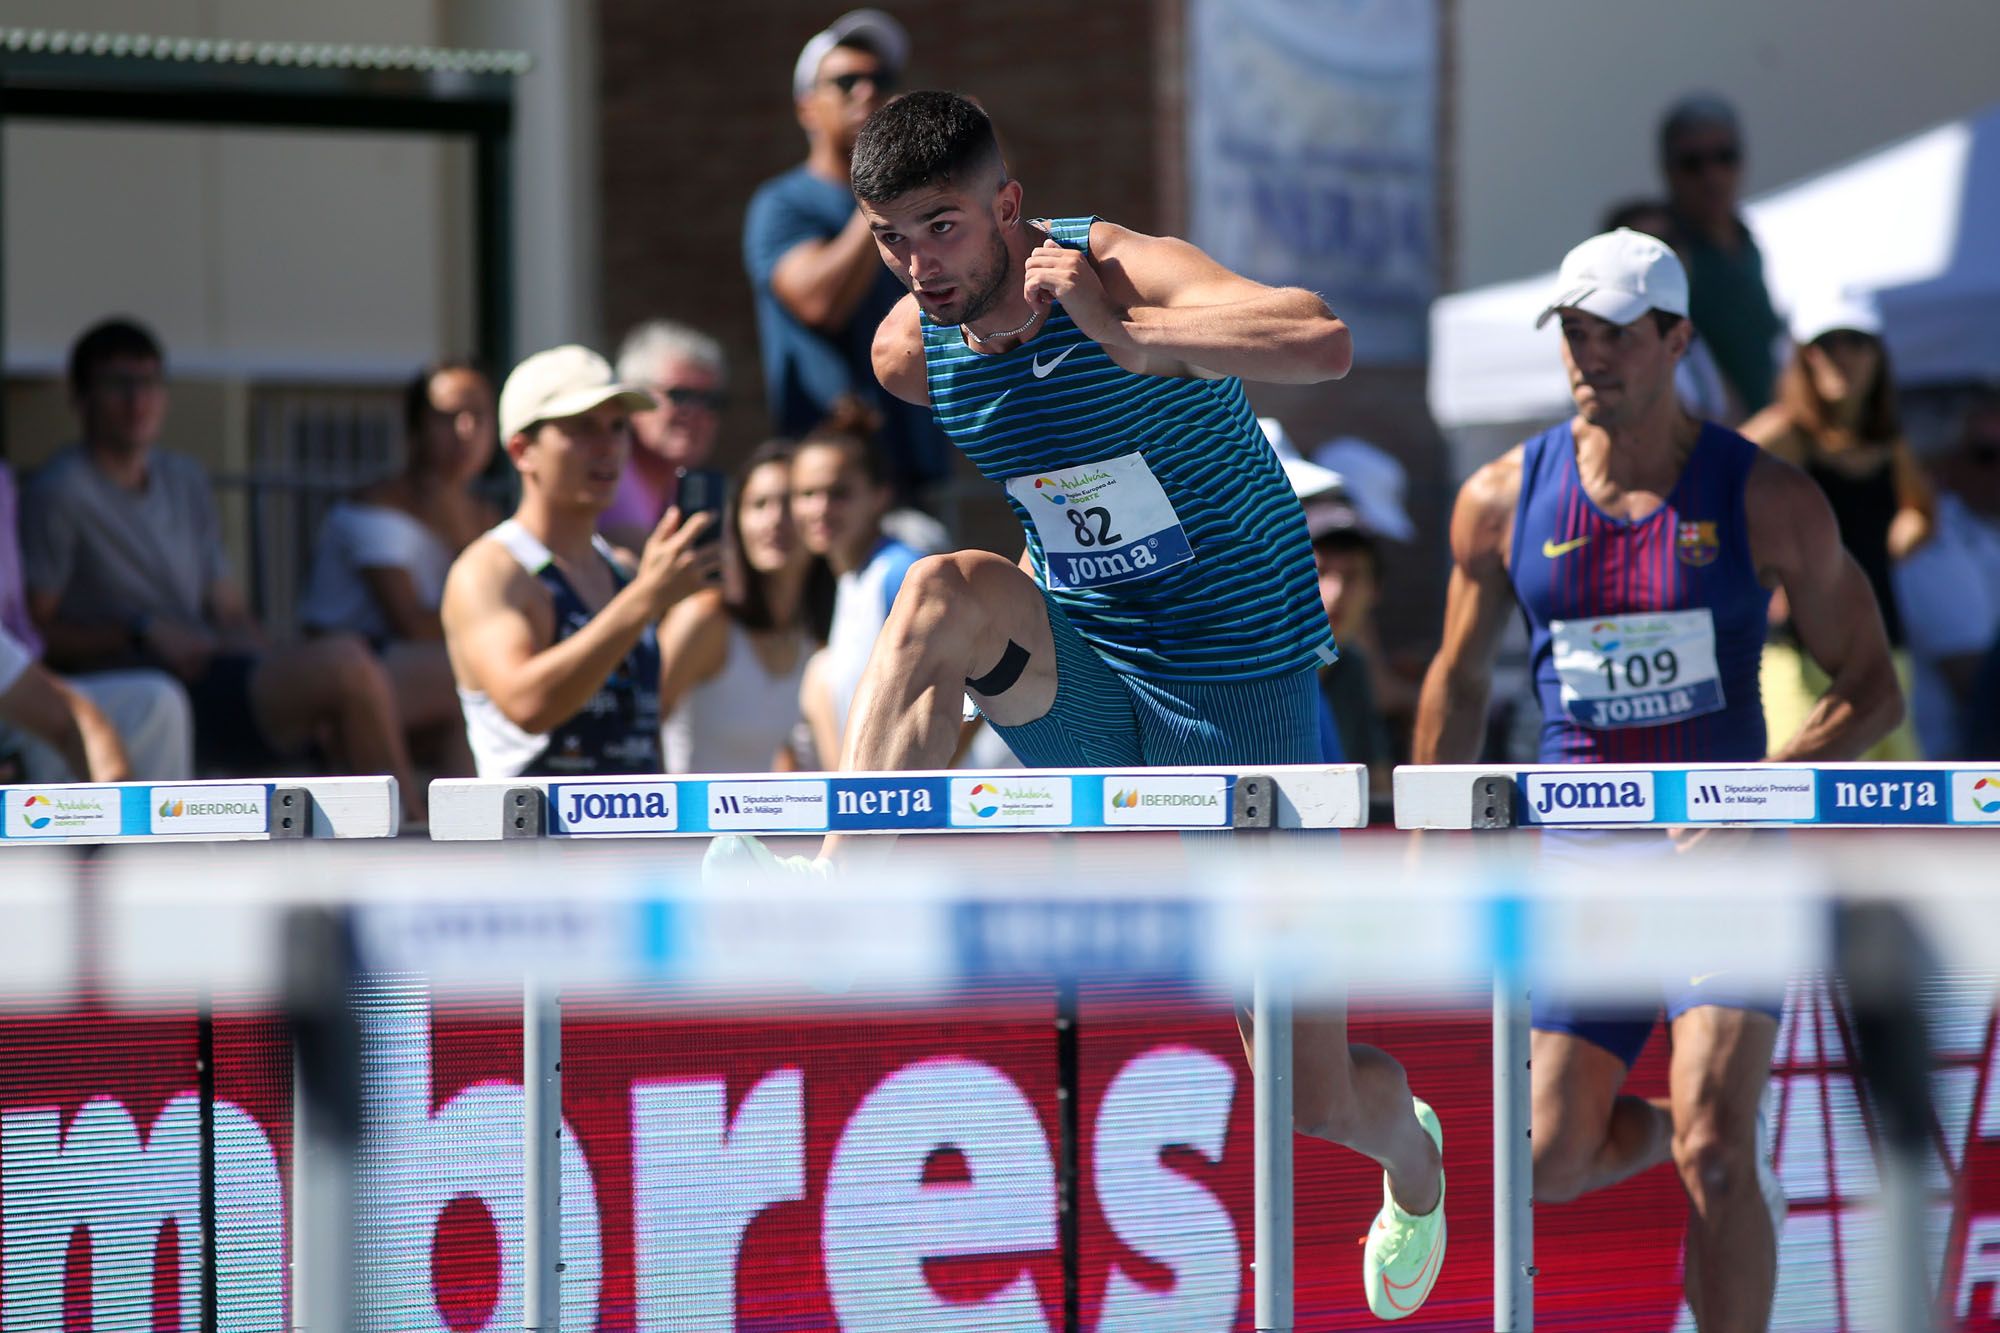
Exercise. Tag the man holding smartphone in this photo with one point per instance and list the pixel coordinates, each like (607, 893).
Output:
(552, 640)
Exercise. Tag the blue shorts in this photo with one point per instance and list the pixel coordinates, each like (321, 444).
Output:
(1623, 1031)
(1105, 718)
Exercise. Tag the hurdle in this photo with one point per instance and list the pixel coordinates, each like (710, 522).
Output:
(1196, 799)
(1877, 952)
(1202, 914)
(85, 814)
(133, 815)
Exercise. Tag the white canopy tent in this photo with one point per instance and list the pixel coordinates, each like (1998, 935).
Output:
(1917, 224)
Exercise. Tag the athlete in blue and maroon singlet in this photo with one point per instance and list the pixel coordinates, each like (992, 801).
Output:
(1646, 632)
(1641, 544)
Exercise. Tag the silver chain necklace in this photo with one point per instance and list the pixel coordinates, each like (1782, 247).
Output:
(982, 340)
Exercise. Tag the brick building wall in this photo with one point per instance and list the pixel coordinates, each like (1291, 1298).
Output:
(697, 111)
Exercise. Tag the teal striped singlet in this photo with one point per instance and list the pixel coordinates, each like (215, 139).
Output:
(1158, 518)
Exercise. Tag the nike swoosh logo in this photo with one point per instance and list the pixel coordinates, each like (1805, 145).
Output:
(1701, 977)
(1550, 550)
(1042, 372)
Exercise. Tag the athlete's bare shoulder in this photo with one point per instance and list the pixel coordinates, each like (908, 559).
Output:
(1788, 515)
(898, 353)
(1482, 522)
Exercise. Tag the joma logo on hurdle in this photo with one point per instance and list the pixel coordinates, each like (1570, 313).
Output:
(618, 805)
(1623, 797)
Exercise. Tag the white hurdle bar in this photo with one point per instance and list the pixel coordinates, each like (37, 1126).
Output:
(1657, 796)
(1014, 800)
(1199, 799)
(228, 810)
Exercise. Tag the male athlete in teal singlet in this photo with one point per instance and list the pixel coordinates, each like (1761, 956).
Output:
(1167, 612)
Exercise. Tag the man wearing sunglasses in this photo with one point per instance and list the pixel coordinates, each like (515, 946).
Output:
(821, 290)
(1701, 152)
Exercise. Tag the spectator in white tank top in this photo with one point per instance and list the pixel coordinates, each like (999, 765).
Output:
(840, 493)
(381, 560)
(732, 658)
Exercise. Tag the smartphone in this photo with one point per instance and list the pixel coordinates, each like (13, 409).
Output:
(703, 491)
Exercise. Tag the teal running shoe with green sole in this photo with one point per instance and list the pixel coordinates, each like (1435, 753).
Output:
(1405, 1254)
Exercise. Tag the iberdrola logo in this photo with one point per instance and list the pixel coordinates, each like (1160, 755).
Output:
(1125, 800)
(983, 800)
(171, 809)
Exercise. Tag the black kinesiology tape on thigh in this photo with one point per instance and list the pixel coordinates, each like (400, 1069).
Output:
(1002, 677)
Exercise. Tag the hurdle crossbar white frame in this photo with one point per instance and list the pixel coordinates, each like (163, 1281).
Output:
(225, 810)
(1078, 800)
(1753, 795)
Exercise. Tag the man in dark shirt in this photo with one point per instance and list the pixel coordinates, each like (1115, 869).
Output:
(1701, 153)
(821, 288)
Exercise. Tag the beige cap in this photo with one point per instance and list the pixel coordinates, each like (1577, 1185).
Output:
(564, 381)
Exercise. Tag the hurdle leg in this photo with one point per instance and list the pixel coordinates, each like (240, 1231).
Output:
(541, 1211)
(1271, 1083)
(326, 1125)
(1513, 1159)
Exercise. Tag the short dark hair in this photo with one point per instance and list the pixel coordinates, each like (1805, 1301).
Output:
(110, 340)
(417, 392)
(1665, 321)
(920, 139)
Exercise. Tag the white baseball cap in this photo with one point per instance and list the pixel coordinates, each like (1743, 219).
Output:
(882, 33)
(1619, 276)
(1823, 311)
(1374, 481)
(564, 381)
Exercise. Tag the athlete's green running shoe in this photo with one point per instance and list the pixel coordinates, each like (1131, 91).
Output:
(1405, 1254)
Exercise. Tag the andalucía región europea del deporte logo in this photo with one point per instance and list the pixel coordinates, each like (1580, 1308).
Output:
(1001, 803)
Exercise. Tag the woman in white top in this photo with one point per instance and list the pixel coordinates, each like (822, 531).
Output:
(840, 494)
(731, 658)
(381, 560)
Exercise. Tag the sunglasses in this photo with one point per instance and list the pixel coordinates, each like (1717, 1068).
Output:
(712, 399)
(881, 80)
(1729, 155)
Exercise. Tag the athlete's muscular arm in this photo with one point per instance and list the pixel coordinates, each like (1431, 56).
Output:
(1796, 544)
(898, 353)
(823, 282)
(498, 625)
(1184, 314)
(1451, 711)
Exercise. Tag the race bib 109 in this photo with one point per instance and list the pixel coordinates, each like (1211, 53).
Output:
(1103, 523)
(1637, 670)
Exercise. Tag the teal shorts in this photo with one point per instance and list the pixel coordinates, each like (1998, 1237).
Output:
(1105, 718)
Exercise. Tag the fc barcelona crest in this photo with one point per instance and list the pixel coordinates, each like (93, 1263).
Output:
(1695, 543)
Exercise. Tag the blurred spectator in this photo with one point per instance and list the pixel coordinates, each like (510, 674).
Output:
(1375, 484)
(43, 707)
(735, 656)
(125, 567)
(685, 371)
(1698, 381)
(840, 492)
(552, 642)
(147, 710)
(1836, 418)
(1347, 554)
(1701, 153)
(378, 571)
(1950, 593)
(821, 288)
